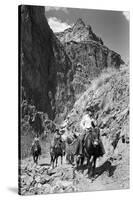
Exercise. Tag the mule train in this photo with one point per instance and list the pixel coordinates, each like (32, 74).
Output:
(59, 147)
(91, 149)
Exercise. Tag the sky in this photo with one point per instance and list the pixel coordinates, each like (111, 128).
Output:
(111, 26)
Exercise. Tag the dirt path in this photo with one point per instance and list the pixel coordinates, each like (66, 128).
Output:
(40, 179)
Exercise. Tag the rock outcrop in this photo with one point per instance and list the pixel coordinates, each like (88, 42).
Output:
(87, 53)
(78, 33)
(45, 67)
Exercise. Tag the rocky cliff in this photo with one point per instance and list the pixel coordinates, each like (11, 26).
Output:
(88, 54)
(45, 67)
(56, 69)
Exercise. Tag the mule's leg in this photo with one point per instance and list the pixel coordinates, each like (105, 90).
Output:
(94, 166)
(33, 158)
(52, 161)
(56, 160)
(89, 165)
(37, 159)
(77, 161)
(88, 161)
(82, 160)
(71, 159)
(61, 159)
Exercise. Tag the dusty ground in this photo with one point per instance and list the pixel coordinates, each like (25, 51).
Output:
(111, 173)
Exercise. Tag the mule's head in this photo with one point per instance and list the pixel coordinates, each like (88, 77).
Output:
(95, 139)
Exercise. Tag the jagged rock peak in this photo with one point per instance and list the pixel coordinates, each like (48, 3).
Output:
(79, 32)
(79, 23)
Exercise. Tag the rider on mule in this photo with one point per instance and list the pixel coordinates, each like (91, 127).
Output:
(36, 143)
(57, 148)
(57, 138)
(89, 124)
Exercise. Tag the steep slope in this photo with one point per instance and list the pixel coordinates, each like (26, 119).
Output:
(45, 66)
(108, 97)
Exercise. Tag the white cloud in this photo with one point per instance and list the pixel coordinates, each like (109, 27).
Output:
(57, 25)
(48, 8)
(127, 15)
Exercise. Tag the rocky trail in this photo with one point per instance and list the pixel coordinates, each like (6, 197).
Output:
(110, 173)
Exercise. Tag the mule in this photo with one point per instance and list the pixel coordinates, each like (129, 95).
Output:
(56, 151)
(71, 149)
(36, 152)
(91, 150)
(35, 122)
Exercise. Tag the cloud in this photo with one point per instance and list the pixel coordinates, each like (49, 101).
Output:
(57, 25)
(48, 8)
(127, 15)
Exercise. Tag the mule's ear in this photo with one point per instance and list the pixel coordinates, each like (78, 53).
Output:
(93, 125)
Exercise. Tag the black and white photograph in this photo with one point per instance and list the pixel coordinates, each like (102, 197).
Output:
(73, 100)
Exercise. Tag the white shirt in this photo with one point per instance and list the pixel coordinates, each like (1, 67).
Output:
(86, 122)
